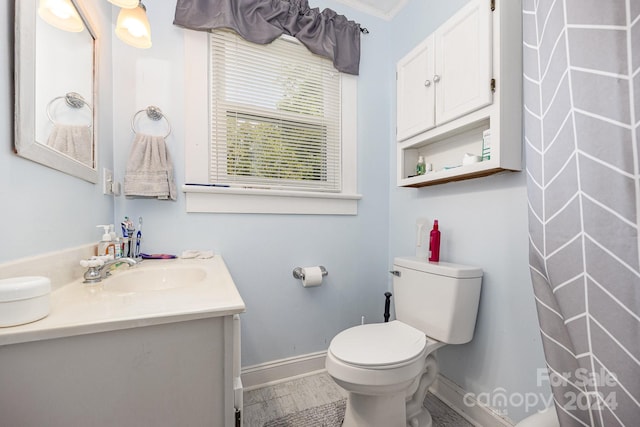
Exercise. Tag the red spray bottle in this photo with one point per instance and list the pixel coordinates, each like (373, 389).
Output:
(434, 243)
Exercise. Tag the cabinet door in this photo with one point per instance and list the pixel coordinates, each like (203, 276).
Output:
(415, 91)
(463, 62)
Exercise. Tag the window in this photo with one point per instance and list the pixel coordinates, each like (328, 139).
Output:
(275, 115)
(282, 131)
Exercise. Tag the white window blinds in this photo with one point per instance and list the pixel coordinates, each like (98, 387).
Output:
(275, 115)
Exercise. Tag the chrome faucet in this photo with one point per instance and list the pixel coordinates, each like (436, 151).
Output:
(100, 270)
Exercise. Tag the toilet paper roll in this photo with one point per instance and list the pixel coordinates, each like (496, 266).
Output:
(312, 276)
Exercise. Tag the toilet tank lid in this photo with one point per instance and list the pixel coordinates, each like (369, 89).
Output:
(441, 268)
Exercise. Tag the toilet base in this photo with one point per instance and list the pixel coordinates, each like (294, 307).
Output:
(375, 411)
(382, 411)
(423, 419)
(417, 414)
(396, 409)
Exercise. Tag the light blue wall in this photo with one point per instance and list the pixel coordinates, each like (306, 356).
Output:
(283, 319)
(484, 223)
(43, 210)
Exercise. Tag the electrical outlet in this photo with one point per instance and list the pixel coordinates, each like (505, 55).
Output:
(107, 182)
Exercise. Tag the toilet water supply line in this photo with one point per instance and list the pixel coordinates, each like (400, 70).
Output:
(387, 306)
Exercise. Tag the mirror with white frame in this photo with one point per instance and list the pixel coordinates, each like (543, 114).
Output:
(55, 80)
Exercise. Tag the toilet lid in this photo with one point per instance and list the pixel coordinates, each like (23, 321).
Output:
(378, 344)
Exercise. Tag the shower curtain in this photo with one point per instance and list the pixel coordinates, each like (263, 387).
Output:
(582, 136)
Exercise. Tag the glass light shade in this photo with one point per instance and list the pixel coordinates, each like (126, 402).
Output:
(133, 27)
(61, 14)
(125, 4)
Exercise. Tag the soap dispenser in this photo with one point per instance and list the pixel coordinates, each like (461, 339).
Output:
(116, 241)
(106, 246)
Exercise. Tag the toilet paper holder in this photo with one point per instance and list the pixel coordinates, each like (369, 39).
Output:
(299, 274)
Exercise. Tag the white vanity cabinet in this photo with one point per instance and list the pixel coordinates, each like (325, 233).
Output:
(163, 375)
(463, 79)
(157, 345)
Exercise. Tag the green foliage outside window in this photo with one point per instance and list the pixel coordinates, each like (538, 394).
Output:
(259, 147)
(266, 147)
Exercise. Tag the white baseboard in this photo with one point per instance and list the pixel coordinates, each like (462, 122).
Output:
(277, 371)
(473, 411)
(268, 373)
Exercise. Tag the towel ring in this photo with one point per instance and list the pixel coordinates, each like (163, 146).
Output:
(73, 100)
(155, 114)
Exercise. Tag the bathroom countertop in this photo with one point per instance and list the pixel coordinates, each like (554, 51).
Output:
(78, 308)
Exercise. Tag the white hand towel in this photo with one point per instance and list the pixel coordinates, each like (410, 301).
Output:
(74, 141)
(149, 170)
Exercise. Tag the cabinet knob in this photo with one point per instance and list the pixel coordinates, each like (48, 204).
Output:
(436, 78)
(427, 83)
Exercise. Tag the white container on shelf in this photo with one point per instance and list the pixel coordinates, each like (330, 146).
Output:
(24, 300)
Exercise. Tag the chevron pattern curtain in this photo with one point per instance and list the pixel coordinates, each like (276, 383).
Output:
(582, 137)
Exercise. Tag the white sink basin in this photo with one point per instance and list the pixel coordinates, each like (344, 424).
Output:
(154, 279)
(153, 292)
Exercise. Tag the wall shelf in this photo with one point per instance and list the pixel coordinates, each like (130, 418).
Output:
(442, 116)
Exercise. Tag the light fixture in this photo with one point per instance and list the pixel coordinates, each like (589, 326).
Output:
(125, 4)
(133, 27)
(61, 14)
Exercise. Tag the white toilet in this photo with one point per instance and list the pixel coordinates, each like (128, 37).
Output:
(387, 368)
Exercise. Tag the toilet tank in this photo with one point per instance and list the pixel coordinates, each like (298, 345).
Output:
(440, 299)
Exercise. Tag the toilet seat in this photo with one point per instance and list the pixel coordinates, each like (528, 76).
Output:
(379, 345)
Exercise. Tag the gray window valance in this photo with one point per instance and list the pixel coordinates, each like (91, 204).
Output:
(261, 21)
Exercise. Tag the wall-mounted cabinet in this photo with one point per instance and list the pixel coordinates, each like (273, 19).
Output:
(462, 80)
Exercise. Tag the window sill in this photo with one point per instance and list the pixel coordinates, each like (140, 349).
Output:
(248, 200)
